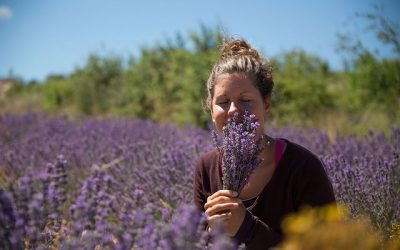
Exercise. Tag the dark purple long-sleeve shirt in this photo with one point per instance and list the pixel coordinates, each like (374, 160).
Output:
(299, 179)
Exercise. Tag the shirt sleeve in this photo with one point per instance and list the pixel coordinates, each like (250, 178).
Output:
(256, 234)
(199, 193)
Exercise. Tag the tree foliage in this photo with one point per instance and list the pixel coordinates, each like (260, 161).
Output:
(374, 80)
(301, 86)
(166, 82)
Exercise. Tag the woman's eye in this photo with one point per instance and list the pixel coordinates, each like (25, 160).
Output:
(245, 100)
(223, 102)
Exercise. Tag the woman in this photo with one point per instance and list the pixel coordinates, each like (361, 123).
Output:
(288, 178)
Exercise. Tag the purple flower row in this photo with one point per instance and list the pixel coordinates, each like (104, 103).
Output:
(126, 184)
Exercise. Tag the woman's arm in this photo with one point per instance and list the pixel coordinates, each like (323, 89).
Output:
(256, 234)
(311, 187)
(199, 193)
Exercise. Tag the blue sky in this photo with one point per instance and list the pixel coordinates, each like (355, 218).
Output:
(42, 37)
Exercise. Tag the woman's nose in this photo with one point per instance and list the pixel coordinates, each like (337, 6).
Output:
(233, 108)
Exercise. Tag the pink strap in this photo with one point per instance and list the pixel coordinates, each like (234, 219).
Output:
(280, 144)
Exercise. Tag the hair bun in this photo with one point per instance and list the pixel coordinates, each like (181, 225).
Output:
(238, 47)
(238, 56)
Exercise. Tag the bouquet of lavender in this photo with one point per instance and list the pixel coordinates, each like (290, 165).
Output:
(240, 150)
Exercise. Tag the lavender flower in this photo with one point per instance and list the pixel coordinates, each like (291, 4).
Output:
(185, 230)
(57, 179)
(240, 151)
(7, 223)
(135, 203)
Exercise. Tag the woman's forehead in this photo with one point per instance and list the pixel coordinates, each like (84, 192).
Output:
(227, 83)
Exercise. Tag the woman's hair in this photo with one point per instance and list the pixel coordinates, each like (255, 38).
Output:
(237, 56)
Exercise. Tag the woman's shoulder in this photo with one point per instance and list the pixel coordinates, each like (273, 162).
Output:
(208, 159)
(301, 156)
(309, 178)
(207, 168)
(209, 156)
(293, 148)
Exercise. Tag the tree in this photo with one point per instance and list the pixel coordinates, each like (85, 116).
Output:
(96, 84)
(301, 87)
(376, 79)
(168, 81)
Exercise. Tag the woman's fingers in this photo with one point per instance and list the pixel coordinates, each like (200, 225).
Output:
(228, 193)
(221, 196)
(225, 206)
(218, 217)
(218, 200)
(221, 208)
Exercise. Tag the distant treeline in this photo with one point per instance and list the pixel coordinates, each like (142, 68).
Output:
(167, 83)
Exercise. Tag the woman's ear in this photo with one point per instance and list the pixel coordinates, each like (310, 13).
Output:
(212, 113)
(267, 104)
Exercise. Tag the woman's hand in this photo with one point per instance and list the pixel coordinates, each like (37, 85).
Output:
(225, 206)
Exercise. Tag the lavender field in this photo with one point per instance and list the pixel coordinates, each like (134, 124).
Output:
(127, 184)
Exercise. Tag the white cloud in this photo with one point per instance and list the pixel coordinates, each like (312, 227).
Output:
(5, 12)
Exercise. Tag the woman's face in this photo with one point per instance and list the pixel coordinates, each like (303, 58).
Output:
(236, 93)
